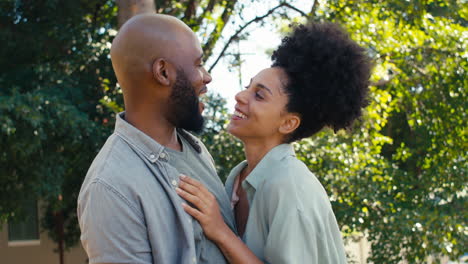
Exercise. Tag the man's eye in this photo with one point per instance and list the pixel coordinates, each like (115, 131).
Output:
(257, 95)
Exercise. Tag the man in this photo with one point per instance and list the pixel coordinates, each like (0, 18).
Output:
(128, 209)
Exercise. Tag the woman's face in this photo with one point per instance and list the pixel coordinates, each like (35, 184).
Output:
(260, 110)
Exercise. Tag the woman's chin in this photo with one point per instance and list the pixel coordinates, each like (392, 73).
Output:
(231, 129)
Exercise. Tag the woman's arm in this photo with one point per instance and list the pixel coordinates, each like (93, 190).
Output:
(208, 215)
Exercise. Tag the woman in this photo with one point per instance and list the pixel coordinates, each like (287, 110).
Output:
(319, 78)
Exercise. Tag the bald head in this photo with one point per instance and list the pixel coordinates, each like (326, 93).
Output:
(141, 41)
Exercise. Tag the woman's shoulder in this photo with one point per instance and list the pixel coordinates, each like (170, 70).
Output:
(292, 181)
(289, 171)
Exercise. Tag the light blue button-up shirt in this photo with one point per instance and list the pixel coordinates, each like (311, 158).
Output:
(128, 209)
(290, 217)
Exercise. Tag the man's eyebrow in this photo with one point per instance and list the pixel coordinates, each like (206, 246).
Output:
(264, 87)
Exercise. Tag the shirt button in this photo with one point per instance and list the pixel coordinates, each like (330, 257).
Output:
(152, 156)
(162, 155)
(174, 182)
(194, 260)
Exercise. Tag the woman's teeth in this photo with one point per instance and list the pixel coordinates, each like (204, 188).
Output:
(239, 114)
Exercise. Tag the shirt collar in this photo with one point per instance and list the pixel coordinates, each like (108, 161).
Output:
(137, 139)
(275, 155)
(235, 172)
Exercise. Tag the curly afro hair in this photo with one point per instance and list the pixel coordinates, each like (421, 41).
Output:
(328, 77)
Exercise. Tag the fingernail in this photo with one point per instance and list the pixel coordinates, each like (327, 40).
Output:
(178, 190)
(182, 176)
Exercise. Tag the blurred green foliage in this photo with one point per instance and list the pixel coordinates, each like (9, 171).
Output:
(399, 177)
(54, 71)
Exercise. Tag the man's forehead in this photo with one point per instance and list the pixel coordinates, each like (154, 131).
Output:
(193, 50)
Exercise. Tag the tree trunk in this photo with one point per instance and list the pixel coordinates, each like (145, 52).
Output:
(129, 8)
(60, 234)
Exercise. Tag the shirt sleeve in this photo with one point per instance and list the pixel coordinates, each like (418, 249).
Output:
(296, 235)
(112, 230)
(289, 240)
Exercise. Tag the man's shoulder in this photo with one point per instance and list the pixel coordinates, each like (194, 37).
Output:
(118, 165)
(115, 156)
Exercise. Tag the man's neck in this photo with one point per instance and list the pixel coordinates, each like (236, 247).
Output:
(156, 127)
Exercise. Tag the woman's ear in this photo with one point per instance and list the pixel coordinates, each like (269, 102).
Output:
(163, 72)
(290, 123)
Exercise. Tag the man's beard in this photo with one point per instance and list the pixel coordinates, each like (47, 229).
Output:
(184, 105)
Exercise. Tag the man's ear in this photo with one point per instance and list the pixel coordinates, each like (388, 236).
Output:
(289, 124)
(163, 72)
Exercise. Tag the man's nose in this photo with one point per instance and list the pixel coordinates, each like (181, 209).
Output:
(207, 77)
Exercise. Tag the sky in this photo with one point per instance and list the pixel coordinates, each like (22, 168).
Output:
(226, 82)
(253, 52)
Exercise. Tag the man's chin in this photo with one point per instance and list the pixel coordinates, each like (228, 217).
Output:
(201, 107)
(196, 127)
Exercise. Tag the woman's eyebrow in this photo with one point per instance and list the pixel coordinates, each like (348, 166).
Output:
(264, 87)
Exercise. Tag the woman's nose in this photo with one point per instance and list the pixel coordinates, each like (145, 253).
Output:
(241, 97)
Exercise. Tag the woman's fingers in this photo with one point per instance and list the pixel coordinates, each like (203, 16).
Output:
(188, 187)
(191, 181)
(194, 190)
(205, 210)
(195, 200)
(194, 187)
(193, 212)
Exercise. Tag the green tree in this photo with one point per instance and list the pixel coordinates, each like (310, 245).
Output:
(401, 176)
(54, 71)
(59, 96)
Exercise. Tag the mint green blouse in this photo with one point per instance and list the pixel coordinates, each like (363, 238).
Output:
(290, 218)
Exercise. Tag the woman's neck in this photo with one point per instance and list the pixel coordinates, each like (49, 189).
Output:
(254, 153)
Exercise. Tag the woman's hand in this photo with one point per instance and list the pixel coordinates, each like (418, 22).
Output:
(207, 210)
(208, 215)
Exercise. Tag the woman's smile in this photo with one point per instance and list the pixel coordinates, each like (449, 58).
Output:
(238, 115)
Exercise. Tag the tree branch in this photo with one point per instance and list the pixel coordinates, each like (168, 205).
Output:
(256, 19)
(293, 8)
(314, 7)
(208, 9)
(130, 8)
(214, 36)
(162, 4)
(190, 10)
(97, 7)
